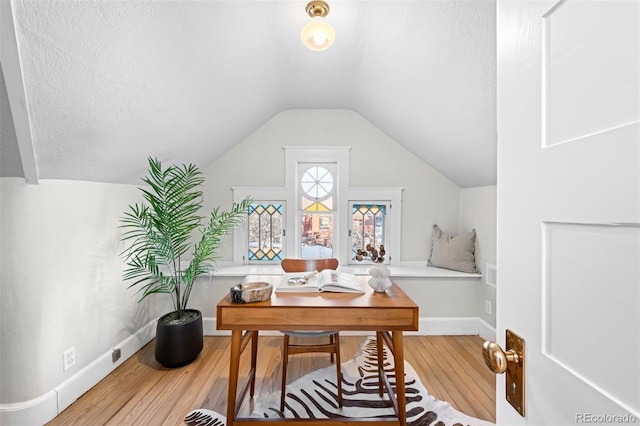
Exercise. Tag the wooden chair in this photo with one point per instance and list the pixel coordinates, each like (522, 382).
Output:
(333, 347)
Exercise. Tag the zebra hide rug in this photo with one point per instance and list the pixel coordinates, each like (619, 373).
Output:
(315, 396)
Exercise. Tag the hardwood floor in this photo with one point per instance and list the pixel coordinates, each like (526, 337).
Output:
(142, 392)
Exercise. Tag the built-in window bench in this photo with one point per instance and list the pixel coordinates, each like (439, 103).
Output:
(401, 270)
(449, 300)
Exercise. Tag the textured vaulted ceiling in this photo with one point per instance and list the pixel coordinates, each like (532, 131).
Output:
(108, 83)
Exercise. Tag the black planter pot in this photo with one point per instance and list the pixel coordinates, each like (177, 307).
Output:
(178, 342)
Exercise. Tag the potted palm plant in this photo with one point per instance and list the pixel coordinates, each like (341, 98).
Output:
(163, 255)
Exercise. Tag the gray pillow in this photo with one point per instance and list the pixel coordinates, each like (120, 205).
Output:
(456, 253)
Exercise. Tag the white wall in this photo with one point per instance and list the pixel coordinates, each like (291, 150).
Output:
(60, 282)
(478, 210)
(375, 160)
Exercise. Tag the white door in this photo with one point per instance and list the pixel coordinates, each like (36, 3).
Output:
(569, 207)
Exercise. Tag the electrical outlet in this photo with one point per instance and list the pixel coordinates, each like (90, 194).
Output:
(487, 307)
(68, 358)
(115, 355)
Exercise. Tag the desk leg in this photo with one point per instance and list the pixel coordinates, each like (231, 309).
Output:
(380, 347)
(234, 366)
(398, 359)
(254, 356)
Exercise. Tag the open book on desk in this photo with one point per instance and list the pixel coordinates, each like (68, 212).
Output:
(327, 280)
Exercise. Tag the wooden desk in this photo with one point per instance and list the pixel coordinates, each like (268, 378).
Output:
(388, 314)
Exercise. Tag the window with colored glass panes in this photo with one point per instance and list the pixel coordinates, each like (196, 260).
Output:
(367, 226)
(265, 224)
(316, 210)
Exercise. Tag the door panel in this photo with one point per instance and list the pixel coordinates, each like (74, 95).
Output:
(588, 67)
(569, 205)
(578, 293)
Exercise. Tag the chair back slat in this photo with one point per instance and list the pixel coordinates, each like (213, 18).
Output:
(304, 265)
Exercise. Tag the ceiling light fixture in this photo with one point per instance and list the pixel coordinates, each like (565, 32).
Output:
(317, 34)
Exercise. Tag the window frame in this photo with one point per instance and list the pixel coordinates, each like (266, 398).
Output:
(260, 195)
(302, 156)
(388, 207)
(392, 198)
(282, 242)
(302, 168)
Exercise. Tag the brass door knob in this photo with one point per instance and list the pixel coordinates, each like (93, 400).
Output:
(511, 361)
(497, 359)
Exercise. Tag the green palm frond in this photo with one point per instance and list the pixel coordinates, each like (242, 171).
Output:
(159, 232)
(221, 223)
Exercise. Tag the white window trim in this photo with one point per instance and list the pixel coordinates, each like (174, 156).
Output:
(318, 154)
(344, 194)
(258, 194)
(394, 217)
(391, 197)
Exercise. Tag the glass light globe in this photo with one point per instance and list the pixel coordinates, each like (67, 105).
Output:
(319, 39)
(318, 34)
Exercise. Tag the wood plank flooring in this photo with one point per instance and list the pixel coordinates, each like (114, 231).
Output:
(142, 392)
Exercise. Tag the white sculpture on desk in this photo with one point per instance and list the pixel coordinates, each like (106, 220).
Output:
(379, 272)
(379, 280)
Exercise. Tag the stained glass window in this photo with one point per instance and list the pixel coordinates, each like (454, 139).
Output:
(317, 190)
(265, 232)
(367, 226)
(317, 182)
(316, 210)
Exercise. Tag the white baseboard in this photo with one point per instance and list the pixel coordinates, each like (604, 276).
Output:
(486, 331)
(37, 411)
(41, 410)
(89, 376)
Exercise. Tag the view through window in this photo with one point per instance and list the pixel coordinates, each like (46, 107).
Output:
(265, 231)
(367, 226)
(316, 207)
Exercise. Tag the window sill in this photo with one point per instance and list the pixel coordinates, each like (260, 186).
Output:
(400, 270)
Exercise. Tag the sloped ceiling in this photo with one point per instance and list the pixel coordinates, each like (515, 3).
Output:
(10, 164)
(109, 83)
